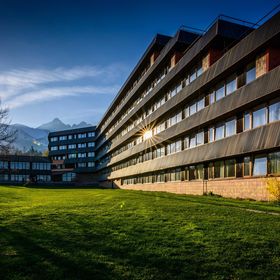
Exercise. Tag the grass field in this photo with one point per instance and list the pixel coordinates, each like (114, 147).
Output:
(116, 234)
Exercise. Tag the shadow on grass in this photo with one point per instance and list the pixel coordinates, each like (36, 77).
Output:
(28, 258)
(39, 254)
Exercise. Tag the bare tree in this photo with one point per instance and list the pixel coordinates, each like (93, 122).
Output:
(7, 133)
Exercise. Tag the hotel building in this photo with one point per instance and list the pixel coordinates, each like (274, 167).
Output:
(199, 113)
(72, 153)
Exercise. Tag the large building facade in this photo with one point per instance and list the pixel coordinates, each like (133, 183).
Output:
(72, 153)
(199, 113)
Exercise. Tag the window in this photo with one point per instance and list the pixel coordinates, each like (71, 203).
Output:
(159, 128)
(160, 152)
(91, 144)
(54, 148)
(210, 170)
(200, 138)
(247, 121)
(174, 147)
(192, 172)
(192, 109)
(41, 166)
(82, 145)
(230, 168)
(82, 155)
(219, 169)
(175, 175)
(82, 164)
(199, 172)
(212, 97)
(259, 117)
(231, 85)
(53, 139)
(274, 112)
(72, 146)
(160, 177)
(62, 147)
(200, 104)
(20, 165)
(220, 92)
(274, 163)
(91, 164)
(187, 112)
(68, 177)
(186, 142)
(91, 154)
(251, 73)
(230, 127)
(192, 141)
(260, 166)
(70, 137)
(3, 165)
(219, 131)
(199, 69)
(62, 138)
(193, 75)
(82, 135)
(91, 134)
(247, 168)
(72, 155)
(211, 134)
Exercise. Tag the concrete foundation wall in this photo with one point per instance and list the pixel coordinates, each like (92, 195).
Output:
(254, 188)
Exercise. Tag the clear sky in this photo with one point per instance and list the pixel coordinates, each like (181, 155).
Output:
(68, 59)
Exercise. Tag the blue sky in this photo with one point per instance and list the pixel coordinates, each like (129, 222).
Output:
(68, 59)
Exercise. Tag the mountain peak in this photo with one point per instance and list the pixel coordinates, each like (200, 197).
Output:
(56, 124)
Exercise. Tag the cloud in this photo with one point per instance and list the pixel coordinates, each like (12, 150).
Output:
(59, 92)
(22, 87)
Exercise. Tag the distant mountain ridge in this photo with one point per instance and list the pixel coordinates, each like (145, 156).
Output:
(56, 125)
(37, 138)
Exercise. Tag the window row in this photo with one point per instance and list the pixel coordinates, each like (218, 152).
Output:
(213, 133)
(248, 166)
(72, 146)
(72, 136)
(41, 166)
(222, 89)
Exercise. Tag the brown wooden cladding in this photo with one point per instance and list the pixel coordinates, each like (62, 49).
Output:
(256, 140)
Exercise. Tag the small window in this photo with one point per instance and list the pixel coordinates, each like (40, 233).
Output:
(200, 138)
(211, 134)
(247, 168)
(259, 117)
(230, 127)
(220, 132)
(231, 85)
(220, 92)
(193, 109)
(274, 163)
(251, 73)
(274, 112)
(230, 168)
(247, 121)
(260, 166)
(200, 104)
(219, 169)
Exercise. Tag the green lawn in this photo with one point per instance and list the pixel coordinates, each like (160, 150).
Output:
(116, 234)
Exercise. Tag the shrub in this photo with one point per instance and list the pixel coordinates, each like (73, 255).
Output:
(273, 187)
